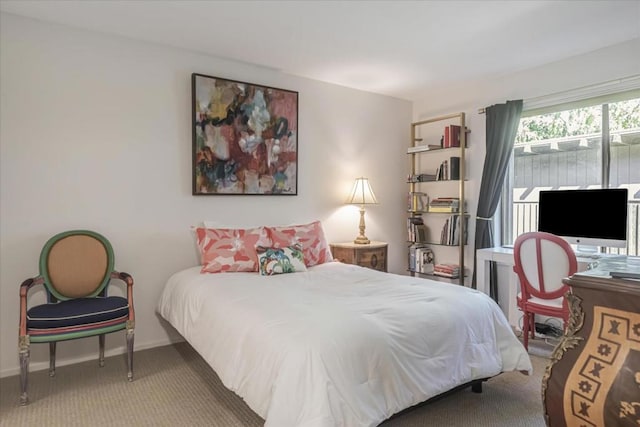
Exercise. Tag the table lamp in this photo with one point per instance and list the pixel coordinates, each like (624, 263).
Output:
(362, 194)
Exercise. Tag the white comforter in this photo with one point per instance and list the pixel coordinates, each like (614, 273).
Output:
(339, 345)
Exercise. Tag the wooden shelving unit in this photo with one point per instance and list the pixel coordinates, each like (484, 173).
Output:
(426, 153)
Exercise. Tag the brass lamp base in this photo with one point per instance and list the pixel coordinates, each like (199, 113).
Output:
(361, 240)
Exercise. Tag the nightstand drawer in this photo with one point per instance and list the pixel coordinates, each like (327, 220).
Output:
(373, 258)
(373, 255)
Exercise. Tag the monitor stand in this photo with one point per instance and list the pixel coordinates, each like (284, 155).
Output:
(586, 251)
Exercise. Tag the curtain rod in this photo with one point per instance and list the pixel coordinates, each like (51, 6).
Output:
(604, 88)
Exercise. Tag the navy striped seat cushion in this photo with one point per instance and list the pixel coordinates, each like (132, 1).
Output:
(76, 312)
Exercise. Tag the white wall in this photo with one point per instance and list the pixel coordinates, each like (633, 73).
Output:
(615, 62)
(96, 134)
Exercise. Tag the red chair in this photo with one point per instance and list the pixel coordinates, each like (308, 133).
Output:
(542, 260)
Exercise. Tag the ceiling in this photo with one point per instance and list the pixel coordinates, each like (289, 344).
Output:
(397, 48)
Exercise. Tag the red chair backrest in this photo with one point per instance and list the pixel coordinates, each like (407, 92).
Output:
(542, 260)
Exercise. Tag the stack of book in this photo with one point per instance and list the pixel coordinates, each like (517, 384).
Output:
(444, 204)
(451, 136)
(420, 148)
(443, 171)
(450, 234)
(451, 271)
(424, 260)
(448, 170)
(421, 259)
(423, 177)
(416, 230)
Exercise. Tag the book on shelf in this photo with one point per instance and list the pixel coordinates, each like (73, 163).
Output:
(412, 258)
(412, 255)
(443, 209)
(445, 200)
(417, 201)
(450, 233)
(444, 233)
(421, 233)
(457, 227)
(447, 275)
(447, 270)
(439, 172)
(424, 260)
(444, 204)
(422, 177)
(417, 231)
(454, 169)
(448, 169)
(420, 148)
(447, 267)
(451, 136)
(442, 172)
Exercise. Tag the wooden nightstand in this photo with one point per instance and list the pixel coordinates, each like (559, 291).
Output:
(373, 255)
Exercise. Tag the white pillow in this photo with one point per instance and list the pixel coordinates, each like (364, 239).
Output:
(280, 260)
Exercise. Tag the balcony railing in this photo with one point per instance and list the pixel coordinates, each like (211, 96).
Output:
(525, 219)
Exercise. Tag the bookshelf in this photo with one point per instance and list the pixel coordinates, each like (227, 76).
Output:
(437, 218)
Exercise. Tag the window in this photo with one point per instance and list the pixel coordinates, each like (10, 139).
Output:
(587, 144)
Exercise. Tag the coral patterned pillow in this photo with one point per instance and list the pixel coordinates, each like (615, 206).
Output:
(310, 236)
(230, 249)
(280, 260)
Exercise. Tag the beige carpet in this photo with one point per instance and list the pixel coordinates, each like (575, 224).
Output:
(173, 386)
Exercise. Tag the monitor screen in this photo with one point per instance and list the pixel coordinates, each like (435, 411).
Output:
(596, 217)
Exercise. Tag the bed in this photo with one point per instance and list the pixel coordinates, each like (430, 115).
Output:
(338, 344)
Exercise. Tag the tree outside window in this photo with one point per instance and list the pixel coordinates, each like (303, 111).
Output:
(568, 149)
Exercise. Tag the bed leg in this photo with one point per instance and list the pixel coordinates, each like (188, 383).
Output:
(476, 387)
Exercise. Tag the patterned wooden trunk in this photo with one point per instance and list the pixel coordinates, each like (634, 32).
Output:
(593, 378)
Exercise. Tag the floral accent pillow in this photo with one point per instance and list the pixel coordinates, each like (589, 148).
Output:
(230, 249)
(280, 260)
(310, 236)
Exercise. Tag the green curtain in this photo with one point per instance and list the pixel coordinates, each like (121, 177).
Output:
(502, 122)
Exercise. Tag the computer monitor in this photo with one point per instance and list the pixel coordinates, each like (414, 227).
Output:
(587, 218)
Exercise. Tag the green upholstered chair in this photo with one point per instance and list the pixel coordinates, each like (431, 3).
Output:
(76, 268)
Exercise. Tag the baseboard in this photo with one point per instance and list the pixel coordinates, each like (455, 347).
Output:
(39, 366)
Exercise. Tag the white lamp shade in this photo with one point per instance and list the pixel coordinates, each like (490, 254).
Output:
(362, 194)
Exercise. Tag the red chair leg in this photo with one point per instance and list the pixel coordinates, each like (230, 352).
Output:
(532, 325)
(525, 330)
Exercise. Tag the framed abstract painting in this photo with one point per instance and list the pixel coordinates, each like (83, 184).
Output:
(245, 138)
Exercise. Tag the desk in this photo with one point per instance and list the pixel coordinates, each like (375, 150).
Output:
(502, 255)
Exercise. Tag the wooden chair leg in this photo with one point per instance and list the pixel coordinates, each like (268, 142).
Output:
(101, 355)
(532, 325)
(24, 369)
(52, 359)
(525, 330)
(130, 354)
